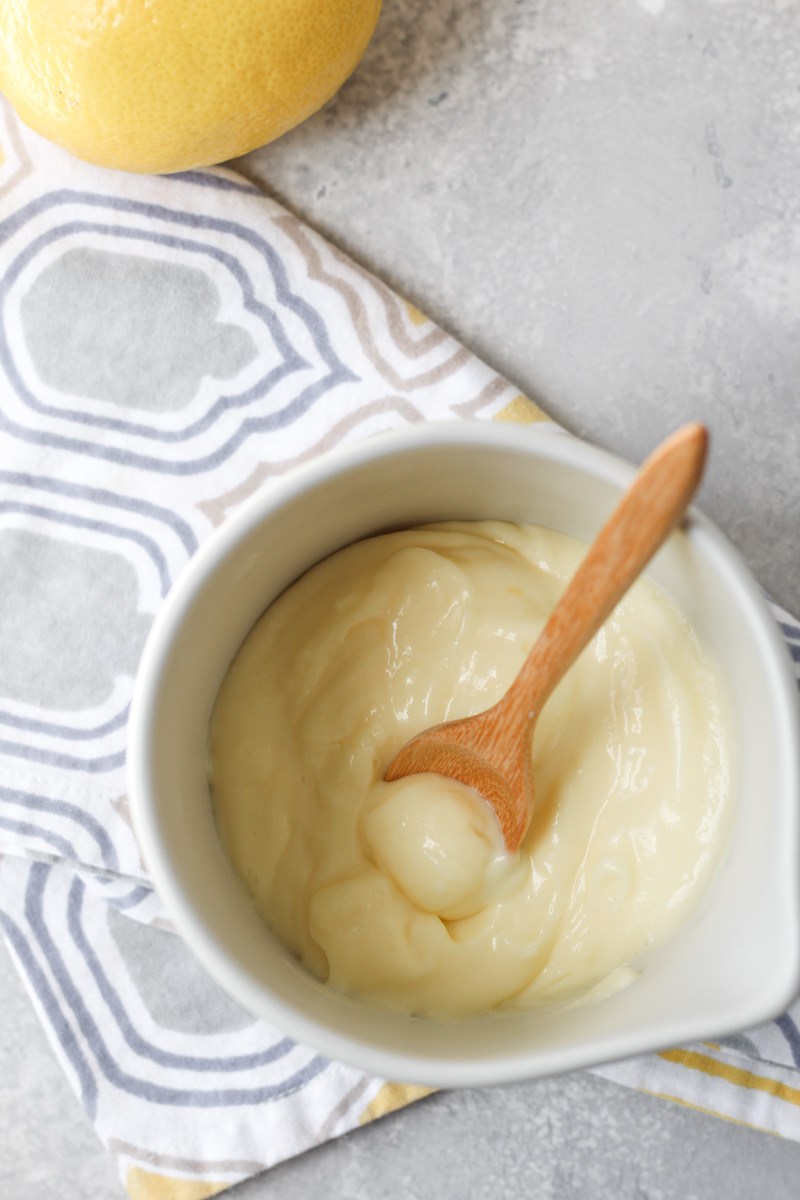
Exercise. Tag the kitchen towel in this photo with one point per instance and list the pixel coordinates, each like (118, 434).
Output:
(168, 345)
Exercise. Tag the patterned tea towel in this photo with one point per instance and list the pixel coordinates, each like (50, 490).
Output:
(167, 345)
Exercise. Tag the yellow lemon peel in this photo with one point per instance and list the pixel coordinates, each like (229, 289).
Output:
(166, 85)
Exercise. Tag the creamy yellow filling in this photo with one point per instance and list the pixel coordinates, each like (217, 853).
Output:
(404, 892)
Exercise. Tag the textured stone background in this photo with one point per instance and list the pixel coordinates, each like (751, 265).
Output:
(603, 200)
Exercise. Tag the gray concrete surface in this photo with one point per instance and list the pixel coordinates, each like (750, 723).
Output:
(603, 200)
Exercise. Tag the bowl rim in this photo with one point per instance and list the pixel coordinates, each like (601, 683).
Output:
(555, 445)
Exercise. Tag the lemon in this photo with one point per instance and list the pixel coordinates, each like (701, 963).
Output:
(166, 85)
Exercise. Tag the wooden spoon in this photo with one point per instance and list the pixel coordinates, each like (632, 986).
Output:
(491, 752)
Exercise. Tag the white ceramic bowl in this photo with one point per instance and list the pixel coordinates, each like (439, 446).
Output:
(737, 962)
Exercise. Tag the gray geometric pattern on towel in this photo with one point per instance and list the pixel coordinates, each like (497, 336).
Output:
(134, 331)
(70, 661)
(167, 346)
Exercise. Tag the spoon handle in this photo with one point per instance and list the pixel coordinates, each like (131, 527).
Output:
(648, 512)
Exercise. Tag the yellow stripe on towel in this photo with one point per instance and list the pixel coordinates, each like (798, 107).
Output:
(414, 315)
(521, 410)
(709, 1112)
(735, 1075)
(391, 1097)
(147, 1185)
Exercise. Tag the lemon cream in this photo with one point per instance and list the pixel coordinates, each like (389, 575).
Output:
(403, 892)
